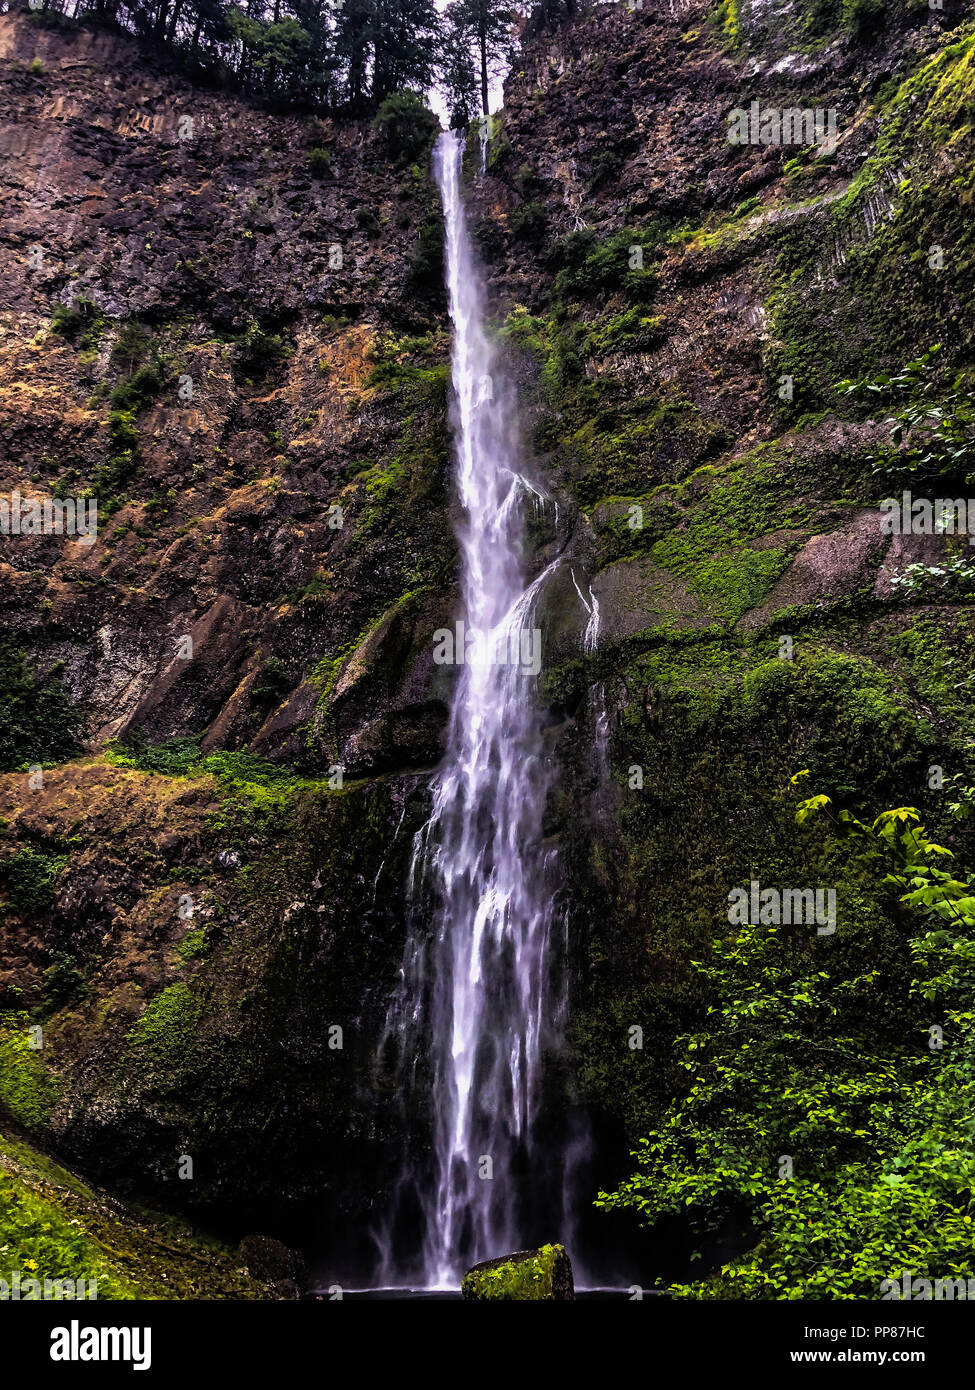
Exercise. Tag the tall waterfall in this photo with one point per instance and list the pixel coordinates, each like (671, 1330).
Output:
(475, 1004)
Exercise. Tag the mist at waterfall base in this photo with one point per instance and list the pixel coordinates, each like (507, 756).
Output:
(495, 1158)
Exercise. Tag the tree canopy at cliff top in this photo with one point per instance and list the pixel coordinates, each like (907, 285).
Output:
(345, 56)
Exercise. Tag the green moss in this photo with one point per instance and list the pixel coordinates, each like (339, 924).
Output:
(940, 655)
(43, 1242)
(164, 1035)
(631, 331)
(590, 266)
(179, 757)
(192, 945)
(28, 1090)
(888, 300)
(421, 450)
(729, 19)
(731, 583)
(530, 1279)
(702, 530)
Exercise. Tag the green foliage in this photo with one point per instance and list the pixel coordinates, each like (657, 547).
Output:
(29, 879)
(426, 257)
(407, 126)
(887, 298)
(528, 222)
(180, 757)
(146, 379)
(806, 1060)
(953, 579)
(193, 945)
(256, 796)
(319, 161)
(44, 1243)
(53, 1226)
(260, 353)
(932, 434)
(183, 757)
(38, 723)
(590, 267)
(630, 331)
(82, 321)
(863, 18)
(140, 390)
(64, 983)
(164, 1033)
(606, 167)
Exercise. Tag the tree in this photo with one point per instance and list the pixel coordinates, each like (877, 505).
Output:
(458, 76)
(487, 28)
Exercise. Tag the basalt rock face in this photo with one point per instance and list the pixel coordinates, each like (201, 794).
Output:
(225, 309)
(676, 310)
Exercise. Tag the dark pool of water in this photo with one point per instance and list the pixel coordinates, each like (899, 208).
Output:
(453, 1295)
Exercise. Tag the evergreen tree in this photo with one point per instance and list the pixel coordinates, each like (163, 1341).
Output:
(487, 27)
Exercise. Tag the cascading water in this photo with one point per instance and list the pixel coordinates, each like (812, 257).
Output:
(476, 1005)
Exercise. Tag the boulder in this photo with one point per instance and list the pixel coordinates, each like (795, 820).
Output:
(527, 1275)
(272, 1262)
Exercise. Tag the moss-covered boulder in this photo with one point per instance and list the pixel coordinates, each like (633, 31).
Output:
(529, 1275)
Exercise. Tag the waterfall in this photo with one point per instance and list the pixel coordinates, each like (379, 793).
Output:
(475, 1004)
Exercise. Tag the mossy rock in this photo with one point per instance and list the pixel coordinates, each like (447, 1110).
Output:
(527, 1275)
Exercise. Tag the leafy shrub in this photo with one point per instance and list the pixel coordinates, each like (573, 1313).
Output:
(179, 757)
(63, 982)
(319, 162)
(38, 723)
(259, 353)
(606, 166)
(528, 223)
(82, 320)
(591, 267)
(799, 1055)
(932, 435)
(29, 879)
(367, 222)
(426, 257)
(408, 127)
(140, 389)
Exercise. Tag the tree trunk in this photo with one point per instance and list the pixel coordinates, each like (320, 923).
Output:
(482, 40)
(177, 11)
